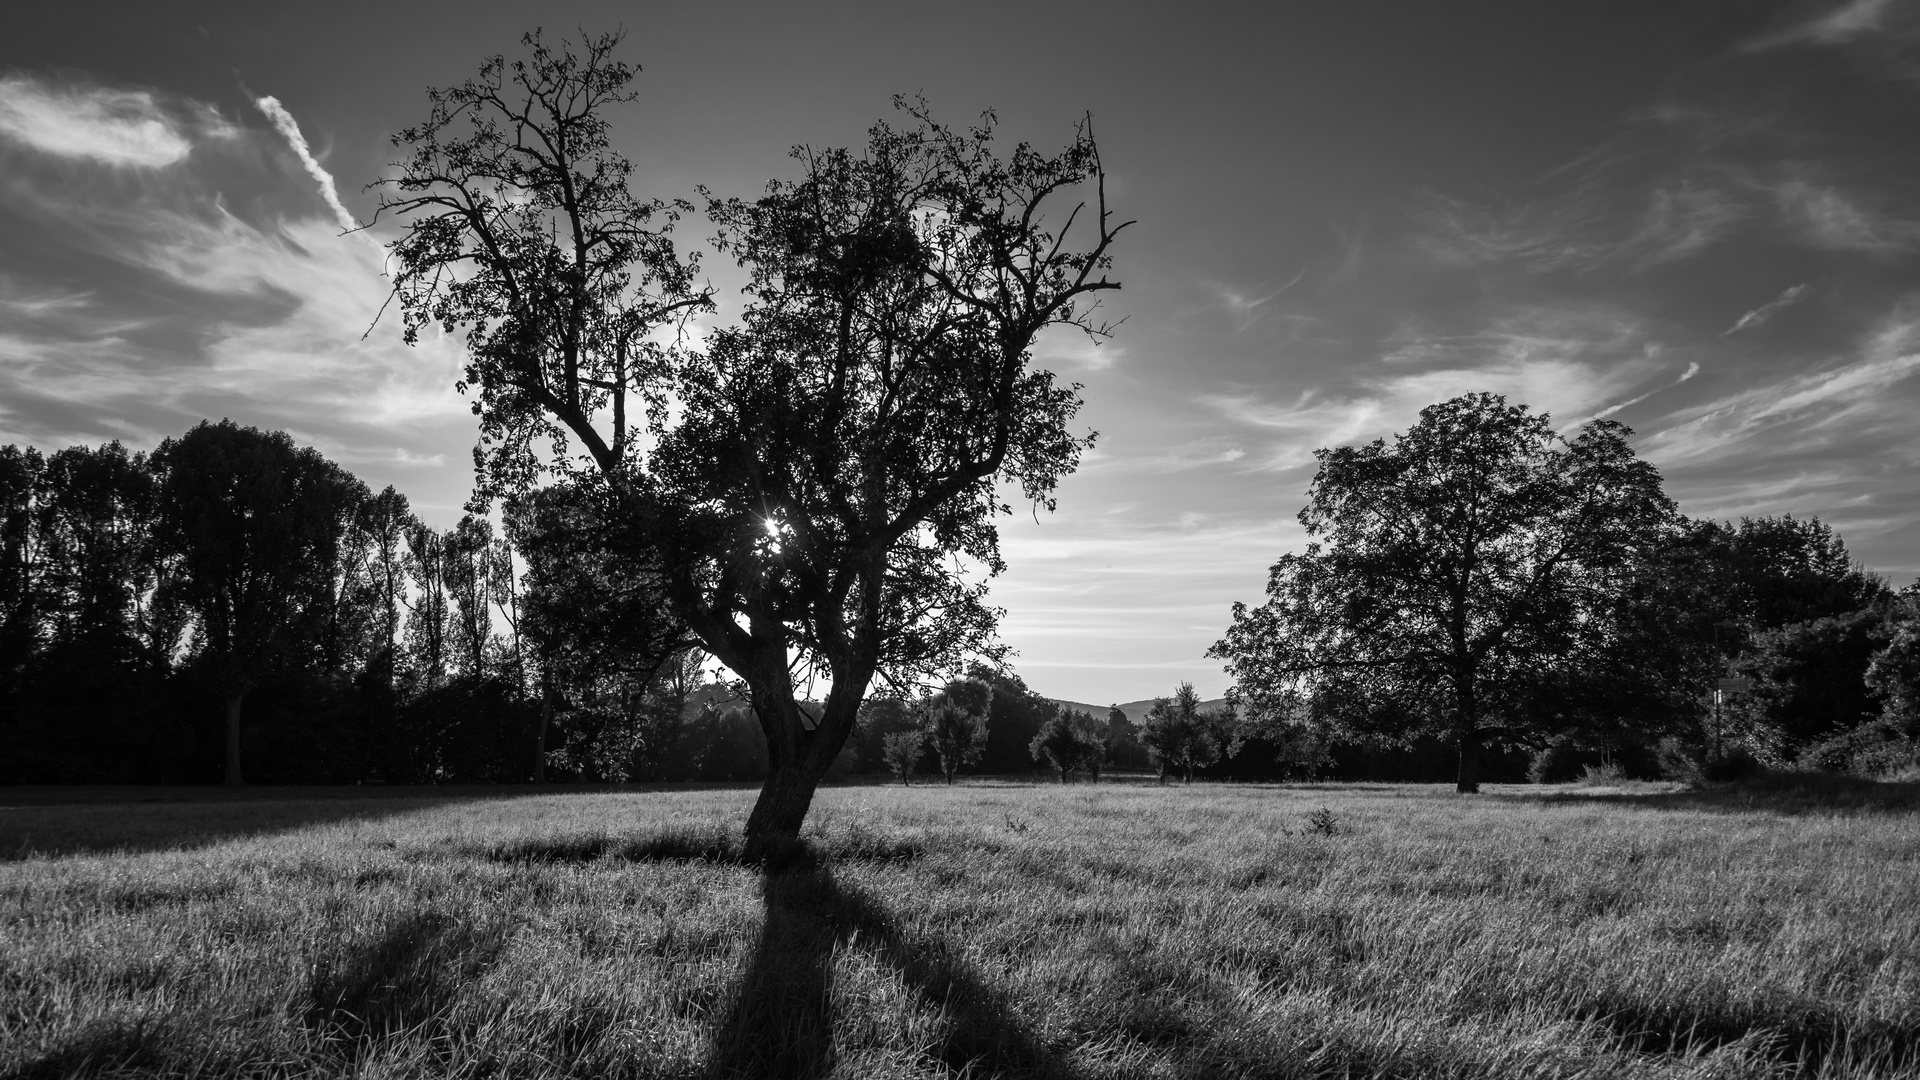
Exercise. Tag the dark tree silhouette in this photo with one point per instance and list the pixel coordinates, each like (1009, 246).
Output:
(827, 458)
(1070, 740)
(1180, 736)
(1449, 574)
(902, 751)
(592, 604)
(256, 524)
(955, 722)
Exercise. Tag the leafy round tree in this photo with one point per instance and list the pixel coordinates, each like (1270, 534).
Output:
(255, 524)
(1180, 736)
(808, 486)
(955, 722)
(1451, 577)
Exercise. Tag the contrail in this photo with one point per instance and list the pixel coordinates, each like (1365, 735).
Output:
(283, 121)
(1692, 370)
(1767, 310)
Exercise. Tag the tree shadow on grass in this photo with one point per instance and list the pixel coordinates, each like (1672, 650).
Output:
(401, 980)
(77, 821)
(782, 1021)
(1792, 793)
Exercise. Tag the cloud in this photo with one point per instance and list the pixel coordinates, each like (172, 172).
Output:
(181, 304)
(1064, 346)
(1681, 220)
(1768, 310)
(284, 123)
(1565, 361)
(1827, 218)
(1244, 307)
(1841, 409)
(1692, 370)
(1540, 236)
(115, 127)
(1844, 22)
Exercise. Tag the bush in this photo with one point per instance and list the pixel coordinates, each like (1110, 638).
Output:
(1607, 773)
(1556, 763)
(1568, 758)
(1679, 760)
(1736, 761)
(1697, 766)
(1871, 750)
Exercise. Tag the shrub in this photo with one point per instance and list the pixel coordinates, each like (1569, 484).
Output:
(1735, 761)
(1697, 766)
(1605, 773)
(1871, 750)
(1679, 760)
(1556, 763)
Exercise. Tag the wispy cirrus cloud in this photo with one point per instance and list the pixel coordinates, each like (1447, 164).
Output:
(1825, 216)
(1788, 297)
(1565, 360)
(1847, 21)
(125, 128)
(1838, 408)
(184, 302)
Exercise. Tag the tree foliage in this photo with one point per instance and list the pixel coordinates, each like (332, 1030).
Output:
(1070, 741)
(903, 751)
(256, 525)
(955, 723)
(1451, 576)
(1180, 736)
(829, 464)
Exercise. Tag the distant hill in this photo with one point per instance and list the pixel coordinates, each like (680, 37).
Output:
(1136, 710)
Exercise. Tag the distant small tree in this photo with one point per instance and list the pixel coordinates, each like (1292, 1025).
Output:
(902, 752)
(1180, 736)
(1055, 745)
(1070, 740)
(1096, 742)
(955, 722)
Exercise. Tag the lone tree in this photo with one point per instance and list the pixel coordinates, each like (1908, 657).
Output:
(804, 486)
(1452, 577)
(955, 722)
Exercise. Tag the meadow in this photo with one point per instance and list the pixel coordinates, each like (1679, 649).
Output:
(989, 929)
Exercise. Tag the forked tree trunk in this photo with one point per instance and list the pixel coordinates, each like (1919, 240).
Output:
(233, 736)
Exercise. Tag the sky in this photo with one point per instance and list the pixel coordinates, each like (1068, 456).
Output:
(1697, 217)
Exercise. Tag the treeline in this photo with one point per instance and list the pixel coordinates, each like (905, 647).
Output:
(233, 606)
(1830, 656)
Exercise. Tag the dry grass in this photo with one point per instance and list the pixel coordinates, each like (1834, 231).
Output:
(983, 930)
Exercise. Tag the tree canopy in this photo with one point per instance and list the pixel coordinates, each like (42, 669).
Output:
(1450, 576)
(815, 480)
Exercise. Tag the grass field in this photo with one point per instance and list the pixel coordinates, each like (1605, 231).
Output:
(992, 929)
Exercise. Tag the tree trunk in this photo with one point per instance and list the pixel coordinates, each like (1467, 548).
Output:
(233, 737)
(546, 721)
(1466, 725)
(1469, 780)
(773, 828)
